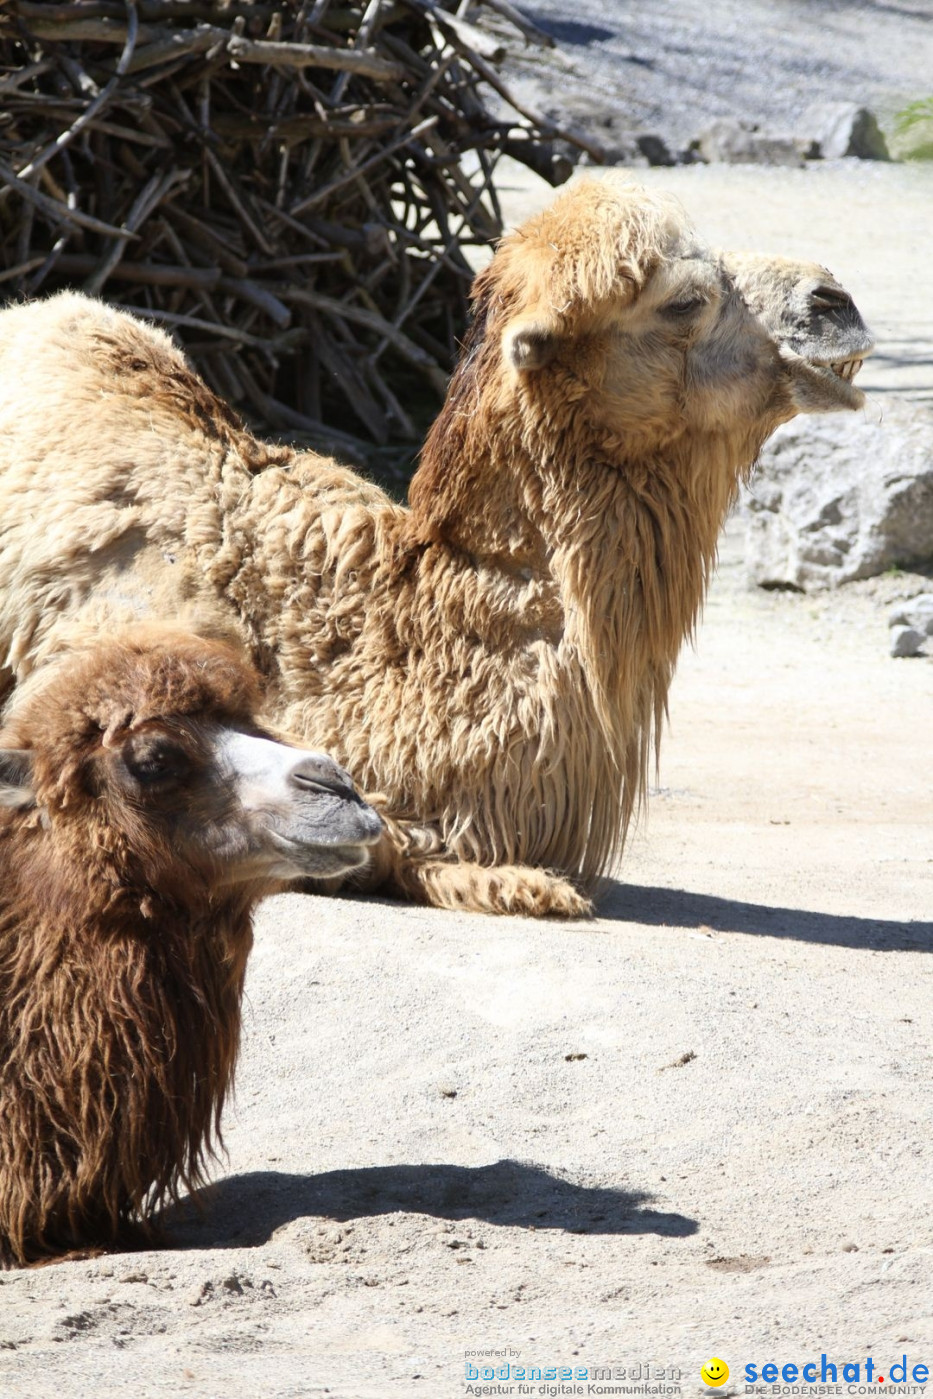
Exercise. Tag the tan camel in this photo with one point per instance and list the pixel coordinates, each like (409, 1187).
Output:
(494, 659)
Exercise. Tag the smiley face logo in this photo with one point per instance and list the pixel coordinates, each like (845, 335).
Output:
(715, 1372)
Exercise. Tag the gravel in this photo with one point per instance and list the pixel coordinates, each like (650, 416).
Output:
(672, 66)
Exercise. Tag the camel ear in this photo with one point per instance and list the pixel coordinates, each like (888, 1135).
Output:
(16, 787)
(532, 343)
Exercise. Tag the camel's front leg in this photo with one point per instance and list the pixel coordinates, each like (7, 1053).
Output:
(409, 863)
(471, 888)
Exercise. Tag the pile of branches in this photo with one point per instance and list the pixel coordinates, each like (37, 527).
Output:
(288, 187)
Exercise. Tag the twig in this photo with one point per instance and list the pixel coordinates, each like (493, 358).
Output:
(54, 208)
(372, 321)
(152, 274)
(289, 340)
(239, 204)
(248, 290)
(150, 198)
(363, 63)
(50, 263)
(99, 103)
(21, 269)
(295, 129)
(207, 238)
(182, 44)
(324, 193)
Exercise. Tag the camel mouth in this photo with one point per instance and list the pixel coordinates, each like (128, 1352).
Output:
(341, 859)
(844, 368)
(825, 385)
(298, 858)
(841, 374)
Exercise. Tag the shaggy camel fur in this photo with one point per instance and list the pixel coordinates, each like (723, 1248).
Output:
(142, 815)
(495, 659)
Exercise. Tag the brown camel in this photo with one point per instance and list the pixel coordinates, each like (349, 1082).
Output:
(142, 816)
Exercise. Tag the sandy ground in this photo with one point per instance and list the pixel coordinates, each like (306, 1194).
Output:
(698, 1125)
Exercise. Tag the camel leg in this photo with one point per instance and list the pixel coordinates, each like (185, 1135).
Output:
(455, 884)
(471, 888)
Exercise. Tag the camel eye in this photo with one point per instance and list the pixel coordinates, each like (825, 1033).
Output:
(157, 763)
(686, 306)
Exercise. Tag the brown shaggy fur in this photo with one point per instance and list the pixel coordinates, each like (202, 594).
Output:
(496, 659)
(121, 957)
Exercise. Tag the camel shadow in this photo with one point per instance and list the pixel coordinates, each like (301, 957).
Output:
(656, 907)
(245, 1211)
(680, 908)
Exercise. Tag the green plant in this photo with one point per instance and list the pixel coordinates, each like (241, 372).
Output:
(913, 130)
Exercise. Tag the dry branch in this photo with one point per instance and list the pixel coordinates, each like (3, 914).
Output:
(288, 187)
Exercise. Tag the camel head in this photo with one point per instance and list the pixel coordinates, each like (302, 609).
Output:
(822, 338)
(609, 301)
(153, 739)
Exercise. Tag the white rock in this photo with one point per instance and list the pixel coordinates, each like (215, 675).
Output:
(840, 497)
(735, 142)
(916, 612)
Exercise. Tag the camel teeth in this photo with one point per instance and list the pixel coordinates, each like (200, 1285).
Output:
(847, 368)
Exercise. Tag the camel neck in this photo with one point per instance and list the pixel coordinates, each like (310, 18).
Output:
(621, 549)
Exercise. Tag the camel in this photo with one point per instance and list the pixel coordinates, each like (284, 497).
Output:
(143, 813)
(493, 659)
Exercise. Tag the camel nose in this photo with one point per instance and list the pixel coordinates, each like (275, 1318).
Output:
(318, 773)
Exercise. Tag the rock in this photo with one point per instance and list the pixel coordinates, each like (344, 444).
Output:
(735, 142)
(907, 641)
(602, 123)
(915, 612)
(654, 149)
(837, 129)
(911, 624)
(602, 126)
(841, 497)
(619, 148)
